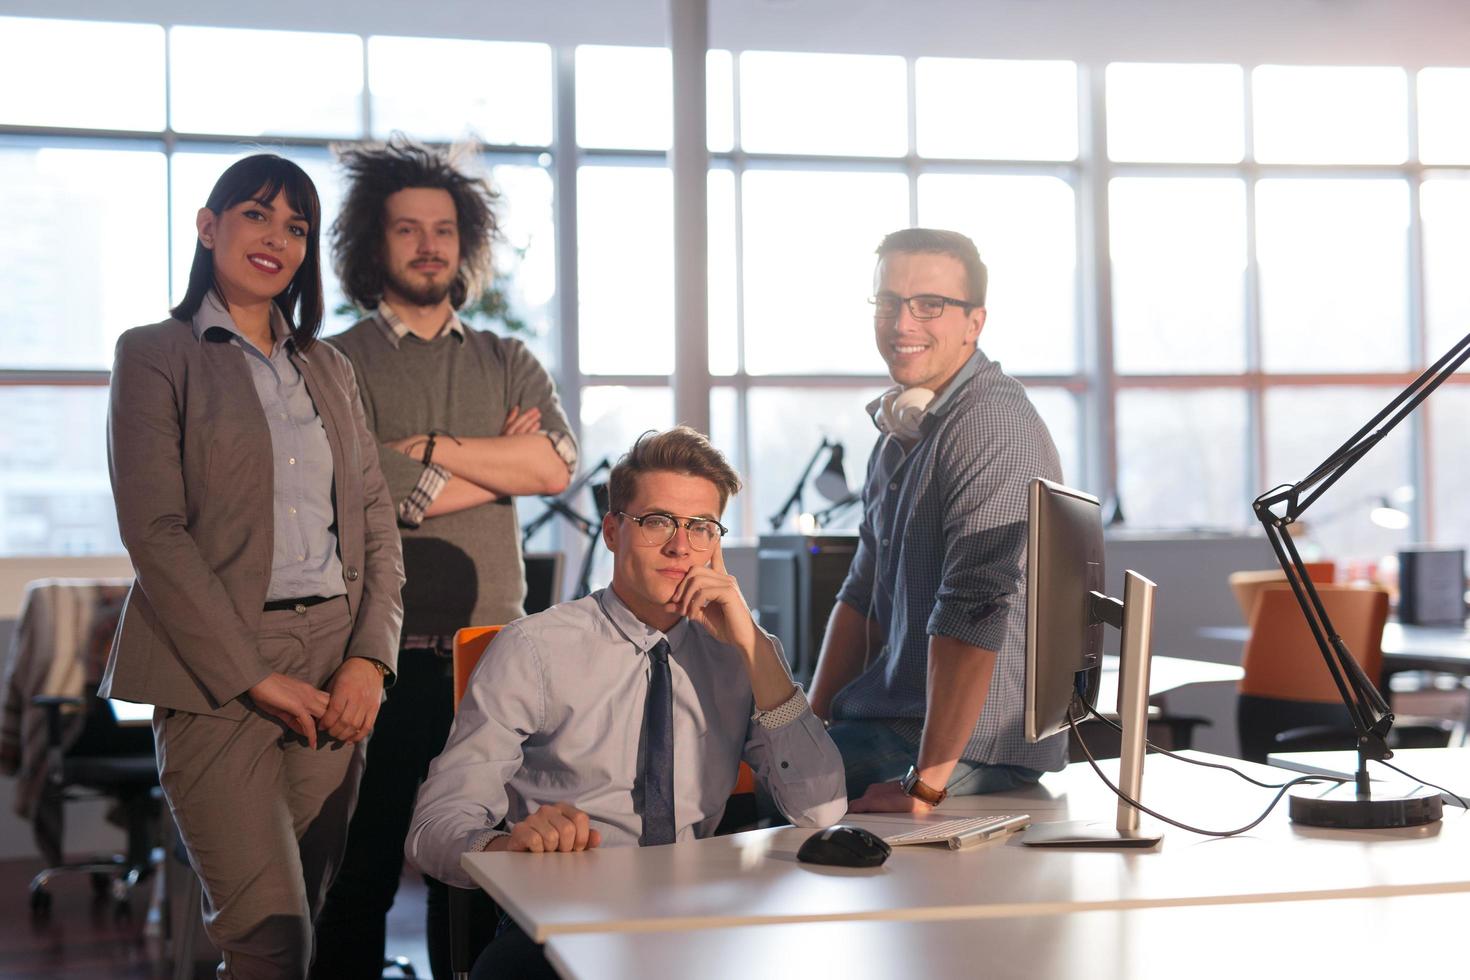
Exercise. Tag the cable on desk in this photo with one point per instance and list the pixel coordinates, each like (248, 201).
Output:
(1200, 762)
(1426, 782)
(1072, 725)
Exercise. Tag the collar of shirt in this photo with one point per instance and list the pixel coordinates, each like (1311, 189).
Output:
(636, 631)
(973, 365)
(214, 315)
(395, 329)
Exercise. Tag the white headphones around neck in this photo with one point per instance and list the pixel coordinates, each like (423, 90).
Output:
(901, 410)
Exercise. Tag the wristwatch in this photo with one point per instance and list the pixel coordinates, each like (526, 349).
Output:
(913, 786)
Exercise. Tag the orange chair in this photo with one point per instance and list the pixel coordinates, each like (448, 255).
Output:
(470, 644)
(1246, 585)
(1287, 697)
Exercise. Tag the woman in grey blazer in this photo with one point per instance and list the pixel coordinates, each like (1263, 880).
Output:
(264, 619)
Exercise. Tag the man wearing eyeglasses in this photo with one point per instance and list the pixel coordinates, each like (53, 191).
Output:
(922, 667)
(621, 718)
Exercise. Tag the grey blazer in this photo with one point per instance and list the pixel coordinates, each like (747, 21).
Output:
(189, 453)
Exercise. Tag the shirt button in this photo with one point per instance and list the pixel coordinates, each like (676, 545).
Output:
(292, 461)
(352, 575)
(893, 486)
(885, 542)
(290, 510)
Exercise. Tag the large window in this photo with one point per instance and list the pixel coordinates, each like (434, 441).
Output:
(1284, 248)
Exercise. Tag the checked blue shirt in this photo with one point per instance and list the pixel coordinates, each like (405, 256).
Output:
(942, 551)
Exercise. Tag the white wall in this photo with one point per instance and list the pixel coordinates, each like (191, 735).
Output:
(1397, 32)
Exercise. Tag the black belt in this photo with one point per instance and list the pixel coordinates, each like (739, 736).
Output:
(296, 605)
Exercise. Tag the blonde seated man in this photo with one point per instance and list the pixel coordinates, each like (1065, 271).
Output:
(620, 719)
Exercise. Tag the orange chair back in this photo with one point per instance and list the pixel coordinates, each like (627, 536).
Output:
(1281, 658)
(469, 644)
(1246, 585)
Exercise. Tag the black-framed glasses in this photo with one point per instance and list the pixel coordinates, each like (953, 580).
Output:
(657, 528)
(924, 306)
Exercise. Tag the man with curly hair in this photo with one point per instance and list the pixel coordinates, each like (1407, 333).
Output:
(466, 421)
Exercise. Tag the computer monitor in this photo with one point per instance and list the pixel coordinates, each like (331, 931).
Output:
(1066, 610)
(543, 580)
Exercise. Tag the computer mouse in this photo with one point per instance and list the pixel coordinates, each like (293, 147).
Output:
(845, 847)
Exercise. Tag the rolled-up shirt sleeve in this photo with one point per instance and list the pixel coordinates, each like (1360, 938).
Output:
(796, 761)
(464, 799)
(984, 496)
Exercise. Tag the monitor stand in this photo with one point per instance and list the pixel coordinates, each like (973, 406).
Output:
(1135, 617)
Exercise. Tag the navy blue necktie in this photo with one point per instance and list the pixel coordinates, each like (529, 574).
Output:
(658, 759)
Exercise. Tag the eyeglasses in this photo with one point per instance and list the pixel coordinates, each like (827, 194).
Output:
(657, 529)
(925, 306)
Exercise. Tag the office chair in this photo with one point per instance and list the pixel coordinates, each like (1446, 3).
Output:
(105, 761)
(1288, 701)
(470, 644)
(1245, 586)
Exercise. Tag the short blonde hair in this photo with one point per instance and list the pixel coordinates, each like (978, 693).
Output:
(679, 450)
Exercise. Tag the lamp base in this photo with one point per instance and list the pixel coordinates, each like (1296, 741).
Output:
(1341, 806)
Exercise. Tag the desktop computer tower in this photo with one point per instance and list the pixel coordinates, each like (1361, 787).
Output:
(1432, 586)
(797, 579)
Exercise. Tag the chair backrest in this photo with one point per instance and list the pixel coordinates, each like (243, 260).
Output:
(1281, 658)
(1245, 585)
(469, 644)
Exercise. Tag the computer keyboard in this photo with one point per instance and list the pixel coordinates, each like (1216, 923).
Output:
(961, 831)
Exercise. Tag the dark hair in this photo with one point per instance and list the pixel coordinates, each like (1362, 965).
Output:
(262, 177)
(939, 242)
(679, 450)
(376, 172)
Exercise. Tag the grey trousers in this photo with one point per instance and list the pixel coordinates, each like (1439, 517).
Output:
(264, 816)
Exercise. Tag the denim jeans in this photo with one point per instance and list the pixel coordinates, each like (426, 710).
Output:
(874, 753)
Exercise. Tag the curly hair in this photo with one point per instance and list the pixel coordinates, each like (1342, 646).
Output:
(376, 171)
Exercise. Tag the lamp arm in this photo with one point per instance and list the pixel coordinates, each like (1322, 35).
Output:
(1282, 506)
(558, 506)
(795, 497)
(832, 510)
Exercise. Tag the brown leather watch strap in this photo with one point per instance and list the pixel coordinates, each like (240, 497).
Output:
(920, 790)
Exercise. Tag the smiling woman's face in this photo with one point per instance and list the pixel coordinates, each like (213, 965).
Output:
(258, 246)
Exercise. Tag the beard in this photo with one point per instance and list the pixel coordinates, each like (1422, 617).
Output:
(419, 291)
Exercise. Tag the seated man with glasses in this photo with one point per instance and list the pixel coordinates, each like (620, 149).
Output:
(621, 718)
(922, 668)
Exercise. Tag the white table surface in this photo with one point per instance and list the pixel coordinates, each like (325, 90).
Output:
(1447, 767)
(1165, 674)
(754, 878)
(1346, 937)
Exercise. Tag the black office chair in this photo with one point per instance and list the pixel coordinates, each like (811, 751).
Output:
(106, 761)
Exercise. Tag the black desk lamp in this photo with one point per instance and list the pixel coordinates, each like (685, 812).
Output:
(590, 527)
(831, 483)
(1351, 805)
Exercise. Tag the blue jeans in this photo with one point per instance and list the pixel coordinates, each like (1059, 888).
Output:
(874, 753)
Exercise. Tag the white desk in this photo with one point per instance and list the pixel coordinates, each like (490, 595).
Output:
(1165, 674)
(1444, 649)
(1449, 767)
(1349, 937)
(754, 878)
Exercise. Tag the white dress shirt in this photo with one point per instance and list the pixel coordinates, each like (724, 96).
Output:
(554, 713)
